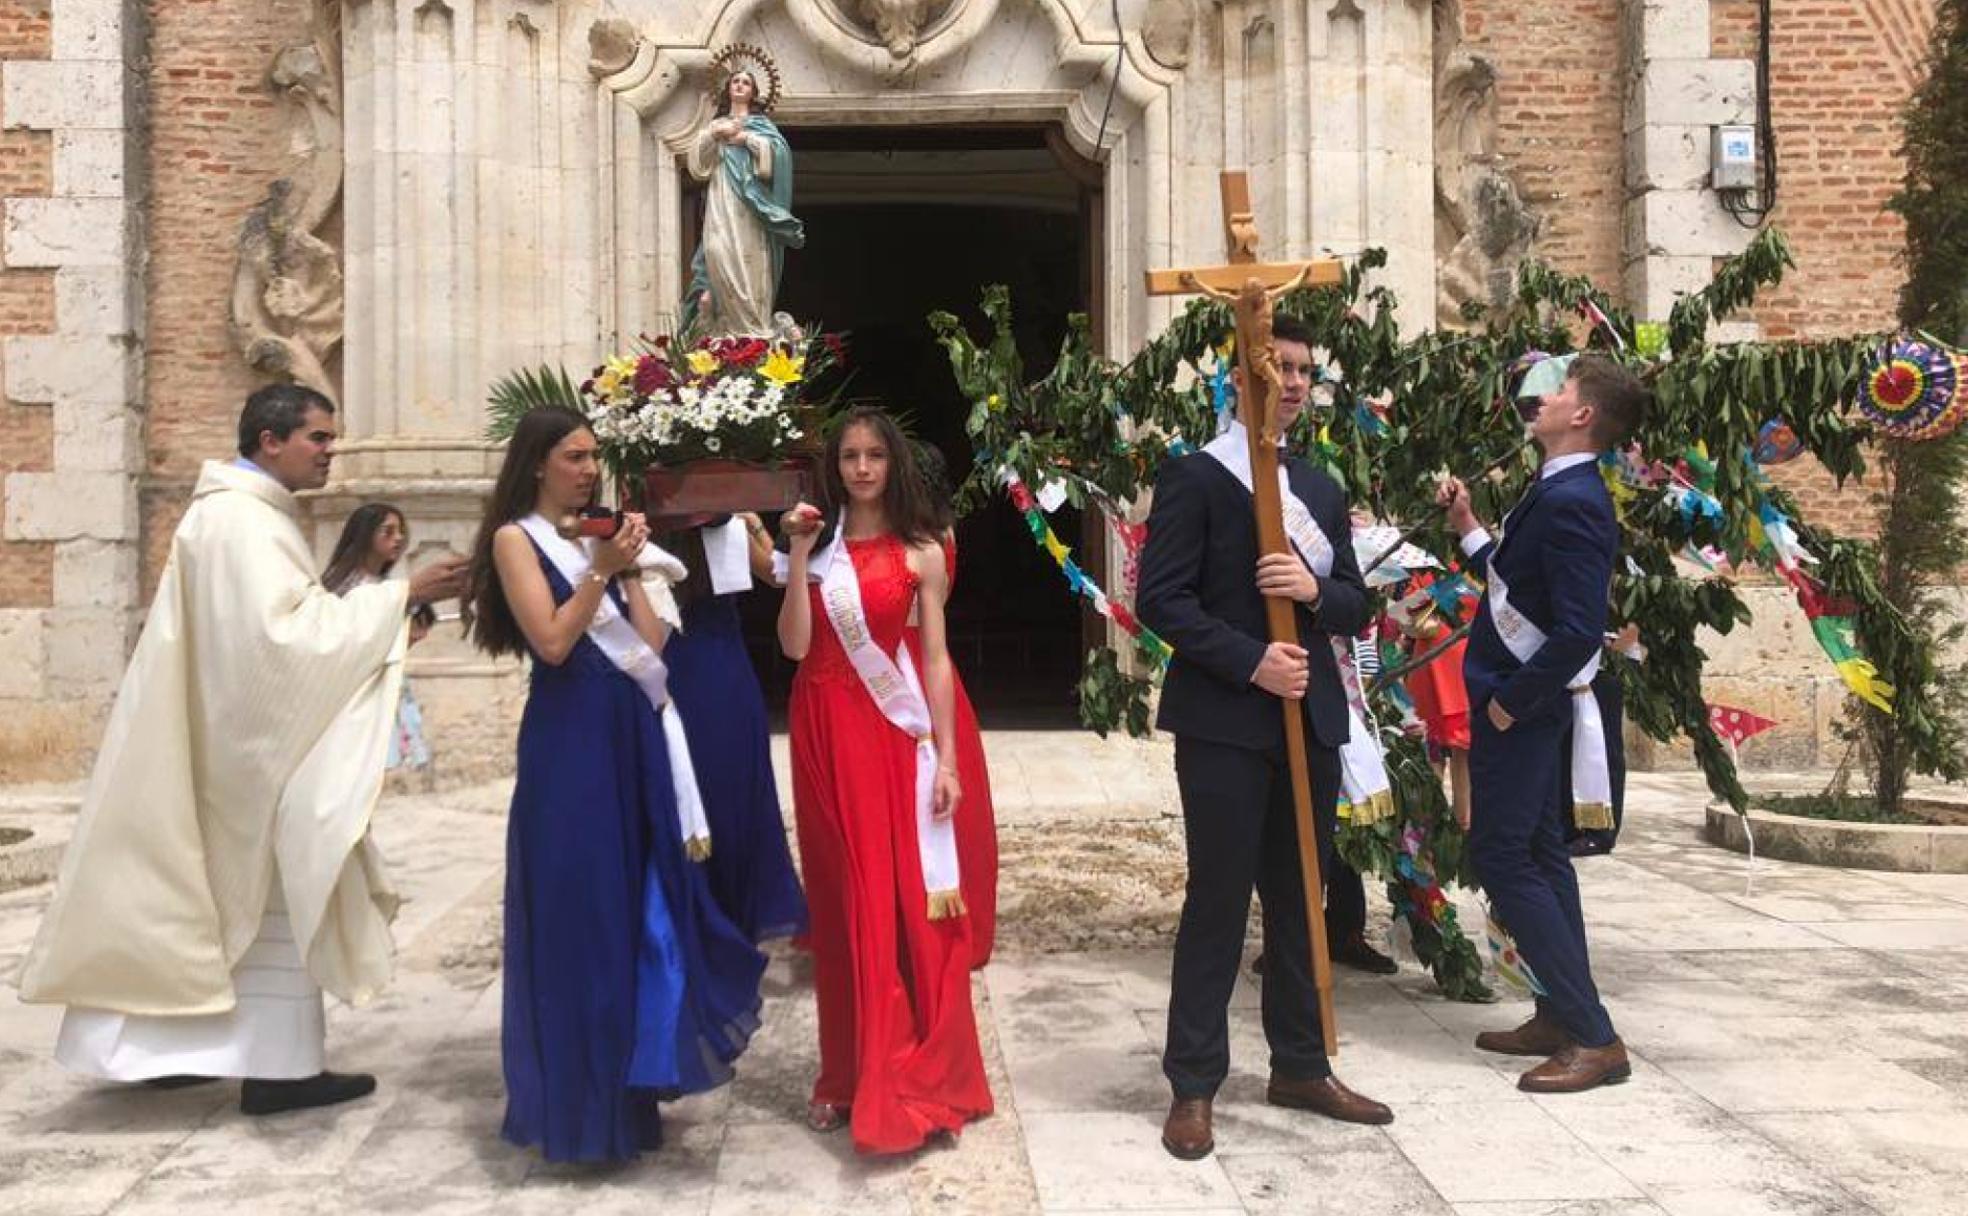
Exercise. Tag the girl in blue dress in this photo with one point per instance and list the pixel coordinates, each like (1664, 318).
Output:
(712, 679)
(625, 983)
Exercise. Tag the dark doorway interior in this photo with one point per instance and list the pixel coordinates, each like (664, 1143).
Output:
(875, 268)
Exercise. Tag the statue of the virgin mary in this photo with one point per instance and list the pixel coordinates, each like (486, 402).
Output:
(747, 224)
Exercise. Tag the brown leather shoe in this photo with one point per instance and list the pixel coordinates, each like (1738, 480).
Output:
(1326, 1096)
(1541, 1036)
(1186, 1132)
(1575, 1069)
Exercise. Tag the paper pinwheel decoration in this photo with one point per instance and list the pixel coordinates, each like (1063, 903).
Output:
(1911, 390)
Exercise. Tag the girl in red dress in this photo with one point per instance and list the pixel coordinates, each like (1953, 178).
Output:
(875, 788)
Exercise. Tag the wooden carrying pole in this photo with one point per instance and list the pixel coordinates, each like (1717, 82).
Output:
(1251, 287)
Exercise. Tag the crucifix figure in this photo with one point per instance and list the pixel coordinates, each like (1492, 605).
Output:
(1253, 687)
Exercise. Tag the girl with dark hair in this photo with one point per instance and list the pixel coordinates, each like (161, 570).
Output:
(624, 981)
(373, 540)
(977, 824)
(751, 869)
(875, 786)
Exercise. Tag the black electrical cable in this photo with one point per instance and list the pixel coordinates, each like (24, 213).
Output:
(1747, 214)
(1120, 54)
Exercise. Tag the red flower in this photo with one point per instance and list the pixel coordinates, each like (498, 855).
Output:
(652, 375)
(740, 352)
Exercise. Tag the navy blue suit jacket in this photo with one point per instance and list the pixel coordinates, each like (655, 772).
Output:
(1556, 557)
(1198, 590)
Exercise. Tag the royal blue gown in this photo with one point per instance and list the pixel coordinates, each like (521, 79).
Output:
(716, 690)
(624, 980)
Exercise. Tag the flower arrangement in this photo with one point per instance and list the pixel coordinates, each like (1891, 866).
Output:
(667, 404)
(722, 398)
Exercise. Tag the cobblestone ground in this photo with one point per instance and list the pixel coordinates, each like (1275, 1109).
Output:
(1801, 1046)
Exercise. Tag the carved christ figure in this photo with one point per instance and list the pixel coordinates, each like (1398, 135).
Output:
(747, 224)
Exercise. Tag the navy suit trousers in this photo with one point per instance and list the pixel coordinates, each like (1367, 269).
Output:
(1517, 842)
(1242, 834)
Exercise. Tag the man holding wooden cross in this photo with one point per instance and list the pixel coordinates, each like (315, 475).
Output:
(1203, 587)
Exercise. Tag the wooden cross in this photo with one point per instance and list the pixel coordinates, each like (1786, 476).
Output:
(1251, 287)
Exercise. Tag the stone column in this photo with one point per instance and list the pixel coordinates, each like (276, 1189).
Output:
(1674, 225)
(1366, 110)
(470, 248)
(88, 372)
(469, 220)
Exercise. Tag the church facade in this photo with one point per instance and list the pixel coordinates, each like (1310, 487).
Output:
(399, 201)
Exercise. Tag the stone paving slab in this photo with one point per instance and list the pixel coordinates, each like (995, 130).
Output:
(1800, 1037)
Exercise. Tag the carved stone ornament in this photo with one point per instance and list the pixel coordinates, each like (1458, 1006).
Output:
(612, 43)
(1483, 226)
(898, 24)
(287, 287)
(1167, 29)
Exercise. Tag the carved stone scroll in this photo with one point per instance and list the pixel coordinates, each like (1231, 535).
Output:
(287, 287)
(1483, 226)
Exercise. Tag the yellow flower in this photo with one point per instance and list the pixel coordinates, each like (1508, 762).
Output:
(993, 403)
(782, 368)
(607, 382)
(623, 367)
(702, 362)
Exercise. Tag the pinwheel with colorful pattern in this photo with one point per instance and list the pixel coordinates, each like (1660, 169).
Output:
(1912, 390)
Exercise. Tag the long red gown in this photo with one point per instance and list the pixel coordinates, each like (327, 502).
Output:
(898, 1038)
(977, 822)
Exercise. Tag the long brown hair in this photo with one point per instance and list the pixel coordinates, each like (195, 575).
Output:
(357, 539)
(912, 513)
(493, 628)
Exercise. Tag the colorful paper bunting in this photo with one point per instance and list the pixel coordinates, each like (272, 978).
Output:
(1733, 725)
(1077, 579)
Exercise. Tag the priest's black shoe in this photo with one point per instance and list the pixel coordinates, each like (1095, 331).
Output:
(323, 1089)
(1354, 952)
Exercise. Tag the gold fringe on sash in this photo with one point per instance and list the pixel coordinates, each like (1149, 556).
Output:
(1378, 806)
(1593, 817)
(946, 905)
(697, 848)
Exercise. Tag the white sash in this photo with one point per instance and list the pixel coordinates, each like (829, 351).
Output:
(637, 659)
(1362, 767)
(1520, 637)
(1367, 793)
(898, 693)
(1592, 779)
(1232, 451)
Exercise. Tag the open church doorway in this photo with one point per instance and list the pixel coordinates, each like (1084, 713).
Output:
(901, 222)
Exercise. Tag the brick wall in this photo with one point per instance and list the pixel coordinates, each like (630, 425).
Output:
(1840, 73)
(216, 144)
(1559, 120)
(27, 306)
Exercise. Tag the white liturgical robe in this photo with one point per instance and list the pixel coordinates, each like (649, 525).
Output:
(245, 749)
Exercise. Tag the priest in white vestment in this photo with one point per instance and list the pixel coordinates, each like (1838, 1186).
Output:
(221, 875)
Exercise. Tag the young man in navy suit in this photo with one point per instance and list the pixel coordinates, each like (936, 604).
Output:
(1537, 637)
(1202, 587)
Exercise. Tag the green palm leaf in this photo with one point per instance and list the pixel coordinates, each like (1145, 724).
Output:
(514, 394)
